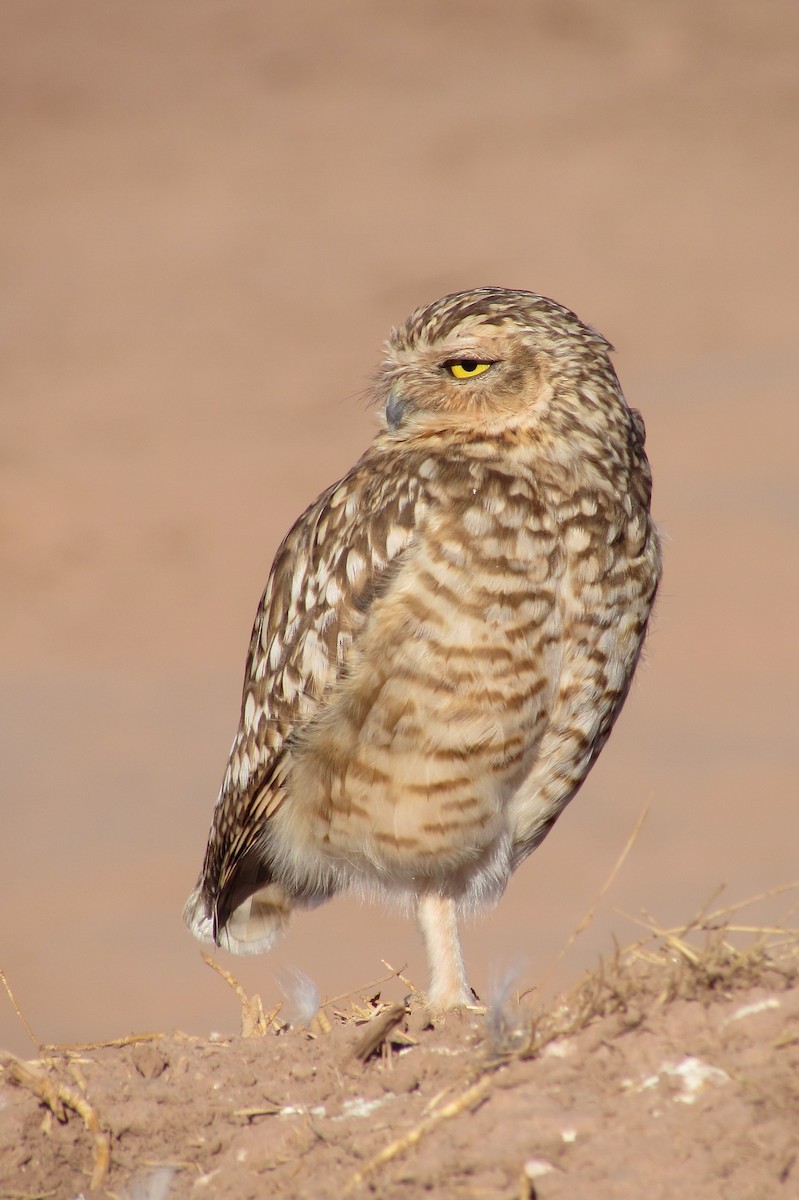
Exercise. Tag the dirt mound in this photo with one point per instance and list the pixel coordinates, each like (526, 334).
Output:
(670, 1070)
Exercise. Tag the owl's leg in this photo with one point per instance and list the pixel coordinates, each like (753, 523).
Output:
(438, 921)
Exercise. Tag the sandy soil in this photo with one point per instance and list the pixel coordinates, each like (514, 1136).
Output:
(212, 214)
(667, 1075)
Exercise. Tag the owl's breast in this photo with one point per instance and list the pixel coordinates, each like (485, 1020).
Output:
(447, 691)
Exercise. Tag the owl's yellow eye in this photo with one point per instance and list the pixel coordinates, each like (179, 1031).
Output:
(467, 368)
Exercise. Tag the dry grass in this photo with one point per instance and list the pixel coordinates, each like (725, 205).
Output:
(708, 957)
(56, 1096)
(711, 955)
(696, 961)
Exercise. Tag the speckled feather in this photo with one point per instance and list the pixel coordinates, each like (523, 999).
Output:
(447, 634)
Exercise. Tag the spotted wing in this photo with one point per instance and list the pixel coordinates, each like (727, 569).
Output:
(338, 557)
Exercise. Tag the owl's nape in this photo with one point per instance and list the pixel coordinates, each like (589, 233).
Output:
(446, 637)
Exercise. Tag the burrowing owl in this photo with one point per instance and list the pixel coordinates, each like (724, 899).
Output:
(446, 637)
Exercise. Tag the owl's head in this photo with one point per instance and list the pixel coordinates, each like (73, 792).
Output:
(488, 356)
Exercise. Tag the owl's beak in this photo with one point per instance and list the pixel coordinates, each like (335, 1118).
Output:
(395, 408)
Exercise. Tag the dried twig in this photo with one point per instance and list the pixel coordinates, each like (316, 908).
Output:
(254, 1022)
(367, 988)
(18, 1011)
(398, 972)
(378, 1030)
(132, 1039)
(58, 1097)
(589, 916)
(261, 1110)
(731, 908)
(471, 1098)
(606, 886)
(709, 922)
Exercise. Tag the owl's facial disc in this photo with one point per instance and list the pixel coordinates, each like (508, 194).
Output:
(405, 394)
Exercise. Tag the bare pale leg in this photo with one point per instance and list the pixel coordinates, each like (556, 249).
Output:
(438, 921)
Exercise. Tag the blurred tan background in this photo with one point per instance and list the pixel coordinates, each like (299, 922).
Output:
(212, 213)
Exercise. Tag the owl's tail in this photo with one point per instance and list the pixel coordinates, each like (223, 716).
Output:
(247, 917)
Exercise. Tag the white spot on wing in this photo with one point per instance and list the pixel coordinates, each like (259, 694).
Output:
(275, 652)
(298, 583)
(244, 771)
(355, 565)
(314, 658)
(396, 541)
